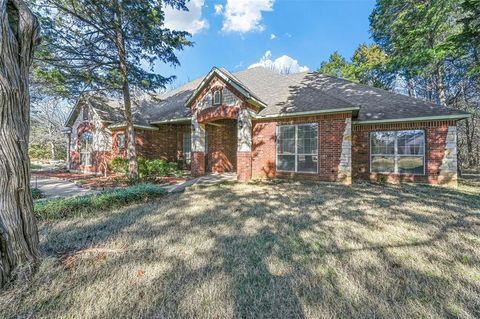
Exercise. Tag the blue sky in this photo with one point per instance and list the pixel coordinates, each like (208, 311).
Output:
(236, 34)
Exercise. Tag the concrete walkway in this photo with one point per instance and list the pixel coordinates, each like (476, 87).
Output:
(206, 180)
(54, 187)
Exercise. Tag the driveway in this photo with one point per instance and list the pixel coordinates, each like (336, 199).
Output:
(54, 187)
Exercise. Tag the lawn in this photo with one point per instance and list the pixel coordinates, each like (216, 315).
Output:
(271, 250)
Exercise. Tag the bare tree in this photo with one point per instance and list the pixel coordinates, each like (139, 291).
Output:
(48, 120)
(18, 231)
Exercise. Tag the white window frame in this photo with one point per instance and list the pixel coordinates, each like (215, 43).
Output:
(122, 144)
(396, 156)
(213, 97)
(86, 153)
(296, 154)
(187, 156)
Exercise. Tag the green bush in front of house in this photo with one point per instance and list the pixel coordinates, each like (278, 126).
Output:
(36, 193)
(147, 169)
(57, 208)
(118, 165)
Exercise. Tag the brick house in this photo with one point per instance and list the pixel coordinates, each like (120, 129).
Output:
(261, 124)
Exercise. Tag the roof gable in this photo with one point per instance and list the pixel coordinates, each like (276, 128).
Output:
(229, 79)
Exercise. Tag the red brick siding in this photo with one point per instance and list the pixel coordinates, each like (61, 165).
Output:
(198, 163)
(222, 146)
(217, 113)
(244, 166)
(99, 162)
(435, 136)
(165, 143)
(331, 128)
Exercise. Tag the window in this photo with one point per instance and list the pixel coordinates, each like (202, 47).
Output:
(217, 97)
(297, 148)
(85, 113)
(86, 141)
(121, 141)
(187, 146)
(401, 152)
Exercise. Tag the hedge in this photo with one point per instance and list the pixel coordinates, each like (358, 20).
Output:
(57, 208)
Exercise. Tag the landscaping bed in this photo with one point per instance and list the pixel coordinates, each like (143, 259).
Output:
(98, 182)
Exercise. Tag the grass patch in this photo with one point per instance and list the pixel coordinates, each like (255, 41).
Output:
(57, 208)
(264, 250)
(36, 193)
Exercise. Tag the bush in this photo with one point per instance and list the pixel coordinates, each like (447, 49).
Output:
(57, 208)
(382, 179)
(118, 165)
(147, 169)
(150, 169)
(36, 193)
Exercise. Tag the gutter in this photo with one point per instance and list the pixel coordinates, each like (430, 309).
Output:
(179, 120)
(143, 127)
(354, 111)
(416, 119)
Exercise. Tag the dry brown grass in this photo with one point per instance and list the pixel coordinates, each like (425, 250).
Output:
(282, 250)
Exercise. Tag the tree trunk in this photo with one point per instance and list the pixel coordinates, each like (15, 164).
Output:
(127, 103)
(442, 96)
(18, 231)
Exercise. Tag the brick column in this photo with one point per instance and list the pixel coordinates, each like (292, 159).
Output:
(244, 148)
(345, 166)
(198, 148)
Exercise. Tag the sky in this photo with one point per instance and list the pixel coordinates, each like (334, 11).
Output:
(284, 34)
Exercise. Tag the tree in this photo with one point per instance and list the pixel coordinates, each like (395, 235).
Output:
(336, 66)
(105, 45)
(415, 35)
(47, 123)
(368, 65)
(18, 230)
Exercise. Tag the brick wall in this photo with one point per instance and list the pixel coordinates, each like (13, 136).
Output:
(436, 139)
(222, 146)
(198, 163)
(331, 129)
(244, 168)
(165, 143)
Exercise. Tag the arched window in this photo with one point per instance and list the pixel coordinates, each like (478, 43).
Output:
(86, 141)
(217, 97)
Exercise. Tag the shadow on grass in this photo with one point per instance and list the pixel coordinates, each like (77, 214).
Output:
(285, 250)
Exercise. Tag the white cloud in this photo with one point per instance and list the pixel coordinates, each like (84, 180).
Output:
(282, 65)
(245, 15)
(273, 36)
(218, 8)
(190, 21)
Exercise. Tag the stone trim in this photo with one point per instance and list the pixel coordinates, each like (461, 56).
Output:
(345, 165)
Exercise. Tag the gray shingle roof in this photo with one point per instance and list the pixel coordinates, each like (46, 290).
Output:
(284, 94)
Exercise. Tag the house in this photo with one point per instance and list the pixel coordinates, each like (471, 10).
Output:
(261, 124)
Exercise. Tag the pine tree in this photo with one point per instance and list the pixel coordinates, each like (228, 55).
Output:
(107, 45)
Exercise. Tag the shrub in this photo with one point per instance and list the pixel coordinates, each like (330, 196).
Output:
(57, 208)
(147, 169)
(382, 179)
(36, 193)
(118, 165)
